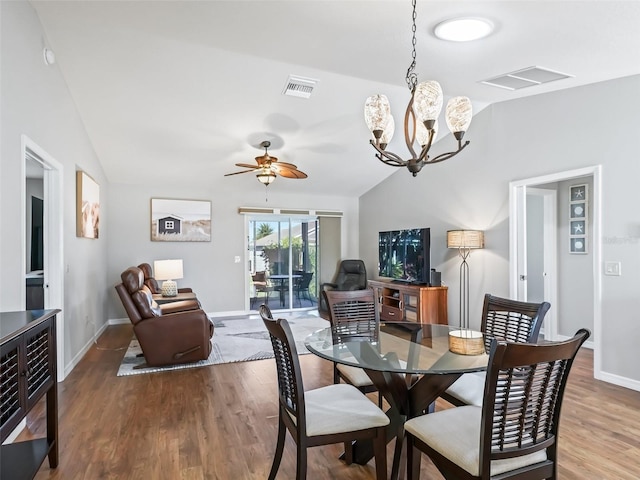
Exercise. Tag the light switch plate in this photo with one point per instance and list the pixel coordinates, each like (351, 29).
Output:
(237, 258)
(613, 269)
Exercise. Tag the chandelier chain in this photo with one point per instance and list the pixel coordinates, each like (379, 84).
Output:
(412, 77)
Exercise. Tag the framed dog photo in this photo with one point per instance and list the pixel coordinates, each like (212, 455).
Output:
(87, 206)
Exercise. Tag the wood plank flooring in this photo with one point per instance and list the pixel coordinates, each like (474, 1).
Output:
(220, 422)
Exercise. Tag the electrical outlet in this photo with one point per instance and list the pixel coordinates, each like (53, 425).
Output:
(613, 269)
(237, 258)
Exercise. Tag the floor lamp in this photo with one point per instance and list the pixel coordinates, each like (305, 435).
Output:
(464, 241)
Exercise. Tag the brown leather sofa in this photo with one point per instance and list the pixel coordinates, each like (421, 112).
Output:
(172, 333)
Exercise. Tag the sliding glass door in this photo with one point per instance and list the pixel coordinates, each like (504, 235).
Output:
(283, 258)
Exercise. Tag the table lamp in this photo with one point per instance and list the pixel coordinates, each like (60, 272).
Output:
(169, 271)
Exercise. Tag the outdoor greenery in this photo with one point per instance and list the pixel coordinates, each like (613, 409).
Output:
(264, 230)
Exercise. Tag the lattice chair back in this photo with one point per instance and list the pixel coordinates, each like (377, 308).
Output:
(523, 395)
(290, 387)
(353, 315)
(512, 320)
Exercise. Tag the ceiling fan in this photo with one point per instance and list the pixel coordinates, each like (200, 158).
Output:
(268, 166)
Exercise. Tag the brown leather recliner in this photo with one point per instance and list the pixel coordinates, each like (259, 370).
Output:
(168, 334)
(152, 283)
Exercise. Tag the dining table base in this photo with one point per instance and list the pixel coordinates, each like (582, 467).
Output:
(408, 397)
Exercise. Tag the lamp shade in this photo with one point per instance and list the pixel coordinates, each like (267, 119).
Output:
(465, 239)
(167, 269)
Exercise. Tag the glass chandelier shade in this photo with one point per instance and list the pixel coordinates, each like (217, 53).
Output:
(427, 101)
(459, 113)
(388, 132)
(377, 112)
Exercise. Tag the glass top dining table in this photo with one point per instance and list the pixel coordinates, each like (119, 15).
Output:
(395, 351)
(411, 366)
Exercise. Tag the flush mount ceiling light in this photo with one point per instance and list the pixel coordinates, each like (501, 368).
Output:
(420, 119)
(463, 29)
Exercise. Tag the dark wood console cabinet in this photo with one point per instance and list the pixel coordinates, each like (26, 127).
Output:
(28, 371)
(416, 303)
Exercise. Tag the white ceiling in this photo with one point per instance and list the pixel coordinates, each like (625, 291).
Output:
(179, 91)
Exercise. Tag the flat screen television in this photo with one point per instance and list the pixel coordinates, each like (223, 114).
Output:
(405, 255)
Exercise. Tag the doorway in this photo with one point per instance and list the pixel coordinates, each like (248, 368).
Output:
(39, 168)
(518, 194)
(282, 263)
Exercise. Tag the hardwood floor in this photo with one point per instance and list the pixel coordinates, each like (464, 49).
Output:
(219, 422)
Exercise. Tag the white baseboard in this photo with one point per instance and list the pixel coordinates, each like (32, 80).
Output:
(620, 381)
(75, 360)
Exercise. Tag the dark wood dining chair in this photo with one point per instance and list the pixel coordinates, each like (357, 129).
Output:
(504, 319)
(323, 416)
(354, 315)
(514, 434)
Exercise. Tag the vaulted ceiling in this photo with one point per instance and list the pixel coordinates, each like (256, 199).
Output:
(180, 91)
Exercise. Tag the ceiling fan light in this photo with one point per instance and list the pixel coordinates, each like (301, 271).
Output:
(377, 112)
(427, 101)
(266, 178)
(459, 113)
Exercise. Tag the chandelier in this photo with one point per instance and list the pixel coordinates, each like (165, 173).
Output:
(420, 119)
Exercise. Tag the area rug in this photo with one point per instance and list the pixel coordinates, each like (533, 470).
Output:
(239, 339)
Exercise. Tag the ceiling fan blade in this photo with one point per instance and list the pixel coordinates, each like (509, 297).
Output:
(247, 165)
(288, 172)
(285, 165)
(237, 173)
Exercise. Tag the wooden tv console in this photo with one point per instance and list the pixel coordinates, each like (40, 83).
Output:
(416, 303)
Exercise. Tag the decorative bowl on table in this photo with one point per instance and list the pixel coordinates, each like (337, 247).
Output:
(466, 342)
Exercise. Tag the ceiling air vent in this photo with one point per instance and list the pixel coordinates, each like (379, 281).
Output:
(299, 86)
(527, 77)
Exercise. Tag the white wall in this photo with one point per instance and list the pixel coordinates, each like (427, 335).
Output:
(209, 267)
(36, 102)
(520, 139)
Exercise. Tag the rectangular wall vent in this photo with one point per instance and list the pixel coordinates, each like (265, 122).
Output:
(299, 86)
(526, 77)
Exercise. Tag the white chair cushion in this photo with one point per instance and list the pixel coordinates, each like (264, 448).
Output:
(357, 376)
(340, 408)
(354, 375)
(469, 388)
(455, 433)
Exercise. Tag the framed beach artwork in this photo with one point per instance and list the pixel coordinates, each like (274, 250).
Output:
(87, 206)
(180, 220)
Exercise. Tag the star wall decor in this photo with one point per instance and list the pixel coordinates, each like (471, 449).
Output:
(578, 208)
